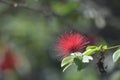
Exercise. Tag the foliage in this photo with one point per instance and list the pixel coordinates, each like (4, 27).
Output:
(116, 55)
(81, 59)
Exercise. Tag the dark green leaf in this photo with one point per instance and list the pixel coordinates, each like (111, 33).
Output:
(79, 63)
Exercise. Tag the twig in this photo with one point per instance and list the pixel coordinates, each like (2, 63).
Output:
(46, 10)
(100, 62)
(113, 47)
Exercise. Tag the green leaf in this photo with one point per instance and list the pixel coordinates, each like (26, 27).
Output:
(64, 8)
(68, 65)
(91, 51)
(79, 63)
(116, 55)
(91, 47)
(67, 60)
(105, 47)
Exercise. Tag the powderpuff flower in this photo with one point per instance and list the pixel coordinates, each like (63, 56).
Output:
(71, 42)
(8, 62)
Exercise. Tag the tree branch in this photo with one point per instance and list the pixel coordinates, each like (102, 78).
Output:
(46, 10)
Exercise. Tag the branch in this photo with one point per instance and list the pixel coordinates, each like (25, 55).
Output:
(113, 47)
(46, 10)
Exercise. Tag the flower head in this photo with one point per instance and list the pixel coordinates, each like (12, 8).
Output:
(71, 42)
(9, 61)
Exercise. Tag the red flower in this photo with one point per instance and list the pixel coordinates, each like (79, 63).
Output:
(72, 42)
(9, 61)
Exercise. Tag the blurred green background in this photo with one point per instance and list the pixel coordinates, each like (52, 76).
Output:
(31, 27)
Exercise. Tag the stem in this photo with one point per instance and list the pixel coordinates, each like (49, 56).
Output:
(113, 47)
